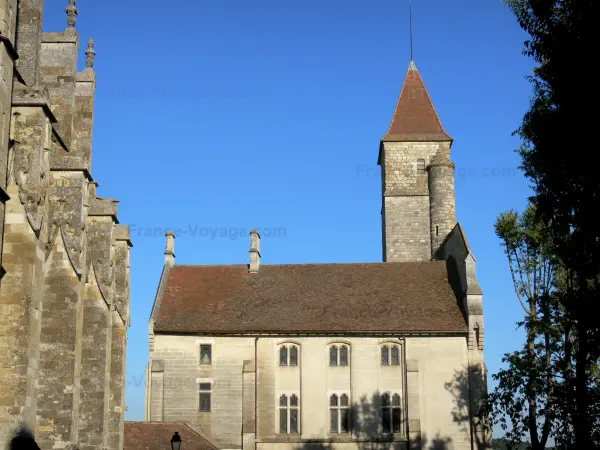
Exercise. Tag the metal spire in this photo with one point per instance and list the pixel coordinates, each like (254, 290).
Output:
(411, 32)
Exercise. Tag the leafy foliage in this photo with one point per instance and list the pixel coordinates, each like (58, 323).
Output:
(558, 140)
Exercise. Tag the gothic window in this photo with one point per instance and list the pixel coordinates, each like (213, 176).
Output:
(343, 355)
(395, 355)
(420, 166)
(288, 355)
(338, 355)
(293, 355)
(339, 414)
(283, 356)
(385, 355)
(288, 414)
(205, 354)
(394, 360)
(390, 413)
(205, 396)
(333, 355)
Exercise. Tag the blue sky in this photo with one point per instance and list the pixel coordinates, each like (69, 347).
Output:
(230, 115)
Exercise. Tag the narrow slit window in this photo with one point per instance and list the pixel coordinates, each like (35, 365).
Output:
(420, 166)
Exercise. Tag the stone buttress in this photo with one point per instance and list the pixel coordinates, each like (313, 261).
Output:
(64, 286)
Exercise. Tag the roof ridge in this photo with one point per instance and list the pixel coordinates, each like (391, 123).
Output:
(381, 263)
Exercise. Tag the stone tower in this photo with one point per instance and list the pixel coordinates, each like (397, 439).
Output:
(418, 209)
(64, 256)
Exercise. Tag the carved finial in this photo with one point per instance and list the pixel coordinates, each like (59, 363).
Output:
(90, 54)
(72, 13)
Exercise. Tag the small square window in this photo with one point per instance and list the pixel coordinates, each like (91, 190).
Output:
(205, 354)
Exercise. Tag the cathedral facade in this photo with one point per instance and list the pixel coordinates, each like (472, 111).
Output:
(346, 356)
(64, 286)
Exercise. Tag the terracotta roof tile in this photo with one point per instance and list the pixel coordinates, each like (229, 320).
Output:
(157, 436)
(415, 118)
(327, 298)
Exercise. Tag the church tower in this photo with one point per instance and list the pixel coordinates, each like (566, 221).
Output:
(418, 204)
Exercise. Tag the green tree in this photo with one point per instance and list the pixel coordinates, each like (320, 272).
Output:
(525, 395)
(558, 143)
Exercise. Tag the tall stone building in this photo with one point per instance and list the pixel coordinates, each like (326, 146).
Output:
(64, 290)
(381, 356)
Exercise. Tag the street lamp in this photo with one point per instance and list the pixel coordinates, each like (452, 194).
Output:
(176, 441)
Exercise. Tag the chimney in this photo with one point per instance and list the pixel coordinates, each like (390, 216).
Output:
(254, 251)
(170, 249)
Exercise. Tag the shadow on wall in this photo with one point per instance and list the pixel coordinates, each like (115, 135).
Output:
(471, 380)
(366, 422)
(366, 428)
(23, 440)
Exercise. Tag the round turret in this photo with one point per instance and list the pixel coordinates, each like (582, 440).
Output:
(442, 207)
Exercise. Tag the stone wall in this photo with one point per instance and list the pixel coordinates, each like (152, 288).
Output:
(430, 380)
(64, 281)
(405, 209)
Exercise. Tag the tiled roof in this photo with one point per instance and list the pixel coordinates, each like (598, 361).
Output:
(415, 118)
(313, 298)
(157, 436)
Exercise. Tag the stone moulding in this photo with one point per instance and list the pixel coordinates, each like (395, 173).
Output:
(33, 96)
(104, 207)
(69, 163)
(30, 174)
(72, 234)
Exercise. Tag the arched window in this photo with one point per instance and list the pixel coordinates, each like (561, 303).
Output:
(338, 355)
(333, 355)
(283, 356)
(391, 413)
(293, 355)
(288, 414)
(385, 355)
(395, 355)
(394, 358)
(343, 355)
(288, 355)
(339, 414)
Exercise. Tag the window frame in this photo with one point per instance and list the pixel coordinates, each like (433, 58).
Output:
(337, 348)
(288, 408)
(203, 391)
(421, 166)
(210, 353)
(339, 409)
(287, 347)
(389, 348)
(388, 410)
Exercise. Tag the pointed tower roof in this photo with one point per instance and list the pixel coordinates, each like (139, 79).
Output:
(415, 118)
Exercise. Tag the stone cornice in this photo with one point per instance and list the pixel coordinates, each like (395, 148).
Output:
(69, 163)
(28, 96)
(259, 334)
(104, 207)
